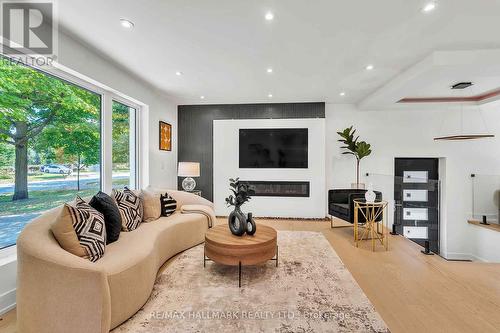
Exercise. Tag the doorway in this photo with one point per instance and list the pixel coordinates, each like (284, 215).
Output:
(416, 198)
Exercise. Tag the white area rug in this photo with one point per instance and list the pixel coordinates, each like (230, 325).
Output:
(310, 291)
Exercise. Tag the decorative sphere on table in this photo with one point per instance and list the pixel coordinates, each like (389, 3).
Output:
(188, 184)
(370, 195)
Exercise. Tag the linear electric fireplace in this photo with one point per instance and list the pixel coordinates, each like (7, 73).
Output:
(279, 188)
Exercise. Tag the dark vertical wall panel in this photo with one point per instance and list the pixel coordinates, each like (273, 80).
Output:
(195, 130)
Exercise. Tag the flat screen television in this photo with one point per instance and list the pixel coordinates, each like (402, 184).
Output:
(274, 148)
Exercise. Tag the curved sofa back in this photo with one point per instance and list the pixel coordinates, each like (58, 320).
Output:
(60, 292)
(43, 272)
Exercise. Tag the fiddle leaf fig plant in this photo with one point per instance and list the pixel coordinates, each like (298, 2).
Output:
(241, 193)
(352, 146)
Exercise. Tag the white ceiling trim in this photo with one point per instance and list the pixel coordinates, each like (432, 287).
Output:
(475, 65)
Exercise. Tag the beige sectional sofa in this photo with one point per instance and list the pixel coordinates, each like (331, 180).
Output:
(60, 292)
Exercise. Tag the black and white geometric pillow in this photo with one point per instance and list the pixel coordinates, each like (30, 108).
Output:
(130, 207)
(168, 205)
(89, 227)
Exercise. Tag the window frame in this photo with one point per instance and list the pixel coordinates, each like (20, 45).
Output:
(137, 166)
(107, 95)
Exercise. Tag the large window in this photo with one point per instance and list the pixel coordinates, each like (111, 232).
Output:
(124, 146)
(49, 145)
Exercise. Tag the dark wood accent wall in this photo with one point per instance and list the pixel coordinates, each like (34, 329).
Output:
(195, 130)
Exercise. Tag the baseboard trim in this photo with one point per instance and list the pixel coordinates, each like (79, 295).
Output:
(7, 301)
(463, 257)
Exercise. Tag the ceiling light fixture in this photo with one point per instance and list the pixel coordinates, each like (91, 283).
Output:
(269, 16)
(473, 135)
(178, 73)
(270, 95)
(269, 70)
(342, 94)
(127, 23)
(429, 7)
(202, 97)
(369, 67)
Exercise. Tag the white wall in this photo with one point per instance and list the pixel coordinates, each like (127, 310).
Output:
(410, 133)
(226, 148)
(162, 166)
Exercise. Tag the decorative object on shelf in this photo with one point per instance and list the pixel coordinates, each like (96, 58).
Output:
(241, 193)
(165, 136)
(472, 135)
(251, 226)
(485, 221)
(188, 170)
(370, 196)
(359, 149)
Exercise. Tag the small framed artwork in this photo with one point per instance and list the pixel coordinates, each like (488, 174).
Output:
(165, 136)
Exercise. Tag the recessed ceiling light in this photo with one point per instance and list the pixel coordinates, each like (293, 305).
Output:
(178, 73)
(126, 23)
(369, 67)
(269, 70)
(270, 95)
(342, 94)
(429, 7)
(269, 16)
(202, 97)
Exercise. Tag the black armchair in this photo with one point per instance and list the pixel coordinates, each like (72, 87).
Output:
(341, 204)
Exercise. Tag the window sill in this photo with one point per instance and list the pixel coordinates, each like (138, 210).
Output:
(8, 255)
(491, 226)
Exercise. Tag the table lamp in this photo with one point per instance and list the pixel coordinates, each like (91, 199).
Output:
(188, 170)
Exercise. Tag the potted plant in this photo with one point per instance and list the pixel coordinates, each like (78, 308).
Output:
(238, 223)
(359, 149)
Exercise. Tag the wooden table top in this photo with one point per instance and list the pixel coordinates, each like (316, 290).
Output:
(222, 236)
(225, 248)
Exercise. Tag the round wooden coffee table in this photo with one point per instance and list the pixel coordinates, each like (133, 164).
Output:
(222, 247)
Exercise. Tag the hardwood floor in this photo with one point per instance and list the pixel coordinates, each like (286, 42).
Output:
(412, 292)
(8, 322)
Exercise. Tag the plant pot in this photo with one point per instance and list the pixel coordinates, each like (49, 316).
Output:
(237, 222)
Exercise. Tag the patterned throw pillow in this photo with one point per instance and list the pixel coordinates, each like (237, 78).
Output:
(80, 229)
(168, 205)
(130, 207)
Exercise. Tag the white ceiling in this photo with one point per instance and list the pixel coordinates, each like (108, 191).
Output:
(433, 77)
(317, 48)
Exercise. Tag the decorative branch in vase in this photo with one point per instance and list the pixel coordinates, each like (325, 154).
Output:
(241, 193)
(359, 149)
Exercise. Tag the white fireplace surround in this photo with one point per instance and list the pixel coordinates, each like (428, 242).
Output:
(226, 158)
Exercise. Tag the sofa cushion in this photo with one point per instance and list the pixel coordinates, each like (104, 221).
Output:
(131, 276)
(105, 205)
(151, 205)
(182, 197)
(168, 205)
(81, 230)
(130, 207)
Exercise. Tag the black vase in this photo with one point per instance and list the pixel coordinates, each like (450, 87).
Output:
(251, 227)
(237, 222)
